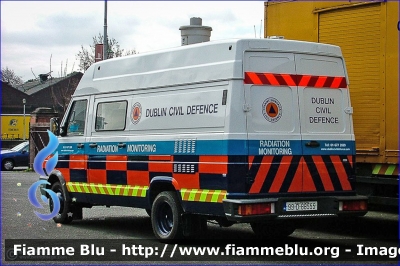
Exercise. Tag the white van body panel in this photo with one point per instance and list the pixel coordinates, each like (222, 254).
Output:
(185, 65)
(221, 123)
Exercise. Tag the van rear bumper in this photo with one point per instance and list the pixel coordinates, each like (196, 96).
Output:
(240, 210)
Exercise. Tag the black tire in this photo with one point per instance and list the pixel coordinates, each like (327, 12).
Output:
(65, 215)
(7, 165)
(273, 229)
(223, 222)
(166, 217)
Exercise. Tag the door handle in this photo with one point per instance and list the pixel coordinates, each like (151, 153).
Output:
(80, 145)
(121, 145)
(312, 144)
(93, 145)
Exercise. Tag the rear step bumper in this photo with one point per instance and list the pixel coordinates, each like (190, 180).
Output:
(276, 208)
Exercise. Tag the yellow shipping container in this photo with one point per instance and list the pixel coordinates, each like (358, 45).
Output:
(368, 34)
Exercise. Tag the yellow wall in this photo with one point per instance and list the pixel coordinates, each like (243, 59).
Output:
(392, 80)
(292, 20)
(299, 20)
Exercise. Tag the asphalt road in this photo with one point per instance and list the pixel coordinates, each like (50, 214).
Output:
(122, 224)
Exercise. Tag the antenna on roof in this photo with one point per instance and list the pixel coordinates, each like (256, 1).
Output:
(33, 74)
(255, 34)
(61, 69)
(66, 67)
(51, 55)
(260, 28)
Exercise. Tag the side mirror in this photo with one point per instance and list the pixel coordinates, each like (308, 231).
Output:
(63, 131)
(54, 126)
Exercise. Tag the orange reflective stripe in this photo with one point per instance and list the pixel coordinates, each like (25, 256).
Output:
(339, 82)
(261, 174)
(294, 80)
(304, 80)
(323, 173)
(271, 78)
(289, 79)
(252, 78)
(320, 83)
(341, 172)
(297, 184)
(281, 174)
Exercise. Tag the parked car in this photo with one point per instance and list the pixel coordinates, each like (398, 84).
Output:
(16, 156)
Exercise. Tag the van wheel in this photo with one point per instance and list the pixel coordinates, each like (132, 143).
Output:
(273, 229)
(65, 215)
(166, 216)
(223, 222)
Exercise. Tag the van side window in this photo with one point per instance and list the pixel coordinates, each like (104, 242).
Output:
(111, 116)
(77, 118)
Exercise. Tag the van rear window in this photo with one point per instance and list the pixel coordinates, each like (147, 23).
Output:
(111, 116)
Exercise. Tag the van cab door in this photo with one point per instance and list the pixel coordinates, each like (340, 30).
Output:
(326, 123)
(72, 151)
(108, 141)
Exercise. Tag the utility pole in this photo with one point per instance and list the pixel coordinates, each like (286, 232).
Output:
(23, 123)
(105, 42)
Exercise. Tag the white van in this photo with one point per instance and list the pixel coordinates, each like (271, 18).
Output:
(251, 130)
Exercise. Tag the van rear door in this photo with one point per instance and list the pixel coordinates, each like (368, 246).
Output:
(298, 115)
(273, 122)
(326, 125)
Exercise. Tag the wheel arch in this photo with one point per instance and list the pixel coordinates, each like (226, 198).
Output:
(162, 183)
(56, 176)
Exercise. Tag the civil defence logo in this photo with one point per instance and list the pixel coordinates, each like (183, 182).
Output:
(50, 152)
(272, 109)
(136, 113)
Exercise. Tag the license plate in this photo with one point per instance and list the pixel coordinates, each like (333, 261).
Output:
(301, 206)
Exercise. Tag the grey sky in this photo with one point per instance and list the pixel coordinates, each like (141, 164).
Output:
(32, 31)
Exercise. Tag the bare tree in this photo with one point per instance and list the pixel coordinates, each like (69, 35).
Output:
(86, 56)
(61, 95)
(9, 76)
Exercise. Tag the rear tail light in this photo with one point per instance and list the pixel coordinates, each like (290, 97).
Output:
(256, 209)
(353, 205)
